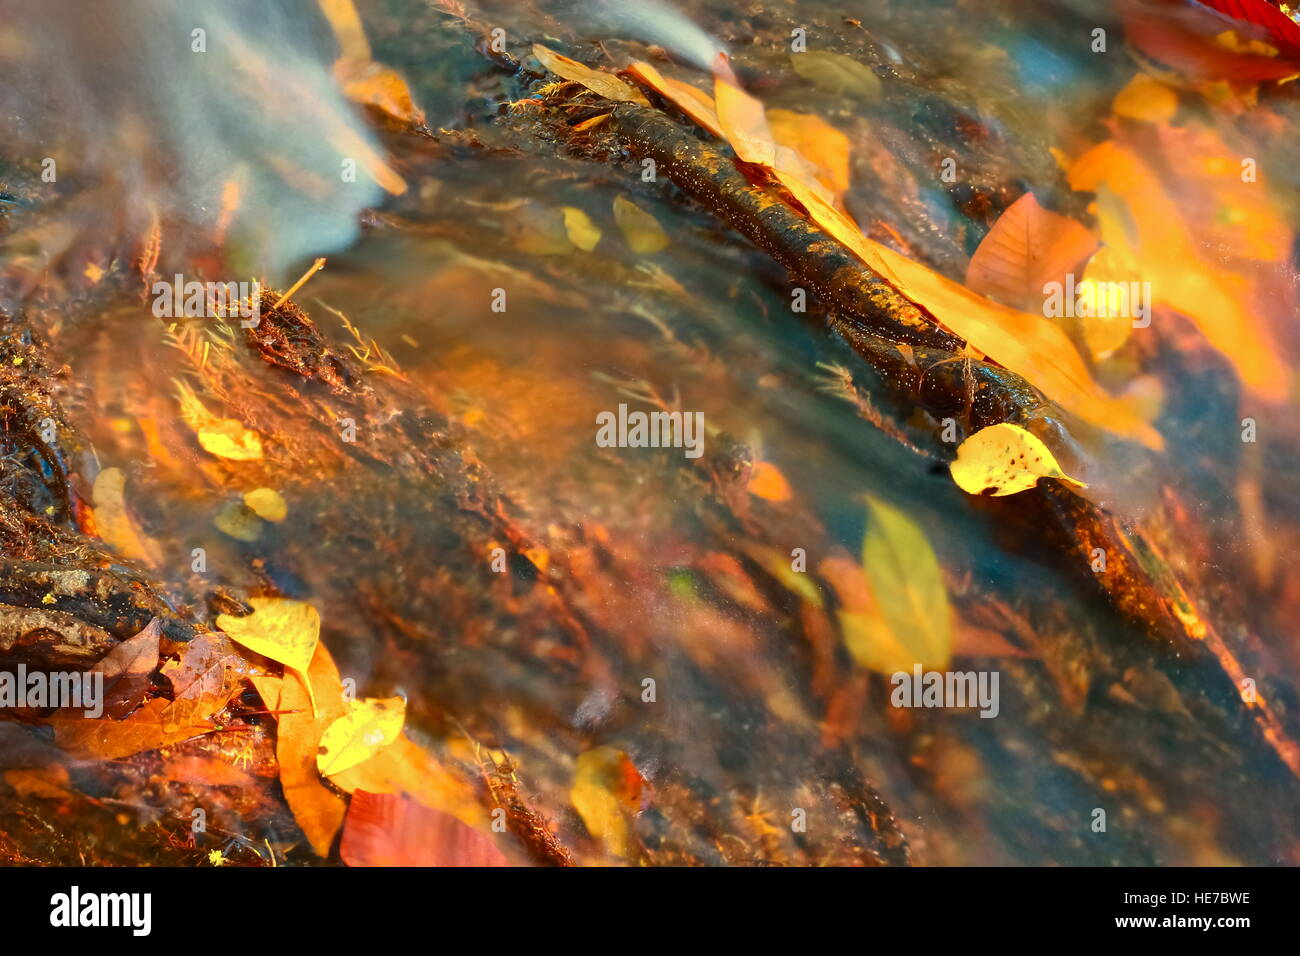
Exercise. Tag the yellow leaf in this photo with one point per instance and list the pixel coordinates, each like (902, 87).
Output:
(641, 230)
(238, 521)
(267, 503)
(113, 521)
(694, 102)
(1146, 98)
(1006, 459)
(380, 87)
(223, 437)
(605, 84)
(283, 630)
(368, 728)
(606, 790)
(582, 231)
(907, 585)
(821, 145)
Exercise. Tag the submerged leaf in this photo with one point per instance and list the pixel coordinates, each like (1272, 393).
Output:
(386, 830)
(837, 73)
(641, 230)
(1004, 459)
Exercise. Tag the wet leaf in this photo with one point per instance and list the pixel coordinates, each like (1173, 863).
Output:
(824, 147)
(267, 503)
(238, 521)
(767, 482)
(640, 229)
(1004, 459)
(1028, 247)
(386, 830)
(694, 102)
(370, 726)
(113, 520)
(907, 586)
(606, 791)
(127, 669)
(604, 84)
(285, 631)
(837, 73)
(1146, 98)
(223, 437)
(582, 231)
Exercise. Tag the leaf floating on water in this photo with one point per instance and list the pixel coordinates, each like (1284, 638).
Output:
(223, 437)
(1004, 459)
(837, 73)
(238, 521)
(640, 229)
(907, 584)
(605, 84)
(358, 735)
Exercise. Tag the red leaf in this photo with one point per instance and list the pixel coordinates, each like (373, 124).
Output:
(386, 830)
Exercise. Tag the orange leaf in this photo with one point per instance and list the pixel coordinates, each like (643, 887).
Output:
(695, 103)
(820, 144)
(1027, 247)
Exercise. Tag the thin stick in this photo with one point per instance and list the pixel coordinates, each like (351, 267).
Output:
(315, 268)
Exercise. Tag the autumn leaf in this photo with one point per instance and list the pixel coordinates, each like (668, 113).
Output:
(606, 791)
(821, 145)
(640, 229)
(914, 625)
(1004, 459)
(386, 830)
(692, 101)
(370, 726)
(127, 669)
(767, 482)
(582, 231)
(407, 768)
(837, 73)
(379, 87)
(1146, 98)
(1027, 247)
(316, 807)
(267, 503)
(113, 520)
(604, 84)
(285, 631)
(223, 437)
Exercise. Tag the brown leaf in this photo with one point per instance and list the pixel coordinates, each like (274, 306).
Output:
(127, 668)
(1027, 247)
(387, 830)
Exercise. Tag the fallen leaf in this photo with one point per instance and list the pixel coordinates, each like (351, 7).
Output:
(113, 521)
(127, 670)
(640, 229)
(821, 145)
(386, 830)
(606, 791)
(604, 84)
(223, 437)
(285, 631)
(1028, 247)
(837, 73)
(379, 87)
(50, 783)
(267, 503)
(692, 101)
(370, 726)
(1146, 98)
(1004, 459)
(238, 521)
(767, 482)
(907, 585)
(407, 768)
(582, 231)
